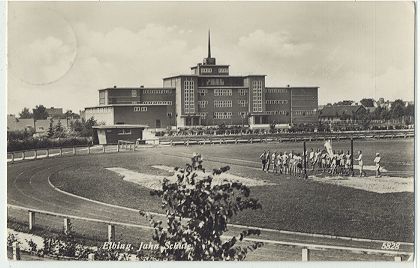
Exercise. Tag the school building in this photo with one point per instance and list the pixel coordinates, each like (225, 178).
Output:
(209, 96)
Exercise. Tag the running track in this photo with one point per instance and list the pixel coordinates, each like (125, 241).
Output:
(29, 186)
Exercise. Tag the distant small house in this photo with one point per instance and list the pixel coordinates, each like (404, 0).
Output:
(111, 134)
(55, 112)
(340, 113)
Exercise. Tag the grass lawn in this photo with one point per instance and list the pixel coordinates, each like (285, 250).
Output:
(291, 204)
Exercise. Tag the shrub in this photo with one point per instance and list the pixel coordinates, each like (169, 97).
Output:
(197, 216)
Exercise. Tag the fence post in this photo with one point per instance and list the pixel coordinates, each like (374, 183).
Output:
(74, 150)
(13, 158)
(66, 226)
(91, 256)
(118, 147)
(16, 251)
(31, 220)
(111, 233)
(23, 155)
(172, 143)
(88, 149)
(61, 151)
(103, 148)
(48, 152)
(305, 254)
(36, 154)
(397, 258)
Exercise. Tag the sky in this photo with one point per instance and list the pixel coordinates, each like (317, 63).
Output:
(61, 53)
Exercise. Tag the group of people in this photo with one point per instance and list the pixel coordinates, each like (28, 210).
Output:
(331, 162)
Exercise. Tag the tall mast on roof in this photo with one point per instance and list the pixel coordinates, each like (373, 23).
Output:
(209, 49)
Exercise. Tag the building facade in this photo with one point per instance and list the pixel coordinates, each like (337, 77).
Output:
(208, 96)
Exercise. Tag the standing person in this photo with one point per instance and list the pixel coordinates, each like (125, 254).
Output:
(279, 163)
(311, 159)
(360, 159)
(377, 161)
(273, 161)
(347, 166)
(267, 161)
(263, 160)
(285, 163)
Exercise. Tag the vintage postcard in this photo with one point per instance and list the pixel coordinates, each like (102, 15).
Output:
(202, 131)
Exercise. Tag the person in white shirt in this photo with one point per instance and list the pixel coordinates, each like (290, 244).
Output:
(377, 161)
(360, 159)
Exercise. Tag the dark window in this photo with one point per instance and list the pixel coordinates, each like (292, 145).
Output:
(157, 123)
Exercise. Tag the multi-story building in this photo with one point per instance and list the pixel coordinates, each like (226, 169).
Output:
(208, 96)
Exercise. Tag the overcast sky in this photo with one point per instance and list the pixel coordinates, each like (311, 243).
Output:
(61, 53)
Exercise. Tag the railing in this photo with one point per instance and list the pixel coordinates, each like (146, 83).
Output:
(286, 137)
(111, 225)
(40, 153)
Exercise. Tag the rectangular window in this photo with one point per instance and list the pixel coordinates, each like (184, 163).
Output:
(189, 104)
(124, 132)
(223, 92)
(222, 103)
(243, 91)
(242, 103)
(202, 91)
(140, 109)
(202, 104)
(133, 93)
(223, 70)
(222, 115)
(206, 70)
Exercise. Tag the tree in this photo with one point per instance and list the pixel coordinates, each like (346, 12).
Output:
(50, 132)
(367, 102)
(40, 112)
(198, 212)
(59, 130)
(397, 109)
(88, 127)
(25, 114)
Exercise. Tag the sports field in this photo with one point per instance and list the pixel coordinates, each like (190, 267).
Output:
(289, 203)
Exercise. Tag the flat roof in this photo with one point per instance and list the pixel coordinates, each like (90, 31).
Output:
(293, 87)
(136, 88)
(119, 126)
(124, 104)
(210, 75)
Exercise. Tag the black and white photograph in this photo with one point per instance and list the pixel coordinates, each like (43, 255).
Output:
(210, 131)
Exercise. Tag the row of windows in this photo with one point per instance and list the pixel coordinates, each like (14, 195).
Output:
(277, 112)
(276, 90)
(222, 103)
(99, 110)
(124, 132)
(304, 112)
(222, 115)
(218, 115)
(156, 91)
(210, 70)
(223, 92)
(276, 101)
(257, 88)
(189, 105)
(157, 102)
(140, 109)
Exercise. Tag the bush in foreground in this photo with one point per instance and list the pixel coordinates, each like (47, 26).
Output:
(197, 215)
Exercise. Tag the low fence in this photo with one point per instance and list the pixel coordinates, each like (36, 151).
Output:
(286, 137)
(111, 225)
